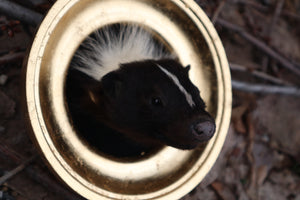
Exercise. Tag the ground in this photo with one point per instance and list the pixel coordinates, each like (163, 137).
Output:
(261, 155)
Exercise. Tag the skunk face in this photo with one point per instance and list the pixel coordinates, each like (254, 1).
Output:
(125, 82)
(152, 102)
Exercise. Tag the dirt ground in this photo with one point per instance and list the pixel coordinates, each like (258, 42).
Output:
(260, 159)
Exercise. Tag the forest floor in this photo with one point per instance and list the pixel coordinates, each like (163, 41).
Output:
(261, 155)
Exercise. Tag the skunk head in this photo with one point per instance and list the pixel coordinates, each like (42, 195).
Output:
(149, 101)
(152, 102)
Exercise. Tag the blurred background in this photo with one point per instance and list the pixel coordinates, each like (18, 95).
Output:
(261, 155)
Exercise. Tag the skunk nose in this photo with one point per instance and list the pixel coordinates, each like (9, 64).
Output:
(203, 130)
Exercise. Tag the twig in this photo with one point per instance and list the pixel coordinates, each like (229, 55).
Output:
(9, 152)
(259, 44)
(11, 57)
(252, 188)
(222, 191)
(291, 15)
(263, 8)
(218, 11)
(259, 74)
(21, 13)
(266, 89)
(252, 4)
(35, 173)
(269, 31)
(276, 15)
(18, 169)
(42, 178)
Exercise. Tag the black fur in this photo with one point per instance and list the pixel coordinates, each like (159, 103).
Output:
(138, 108)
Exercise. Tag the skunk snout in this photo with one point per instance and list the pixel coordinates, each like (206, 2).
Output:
(203, 130)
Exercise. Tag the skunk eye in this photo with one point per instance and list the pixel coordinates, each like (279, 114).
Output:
(156, 101)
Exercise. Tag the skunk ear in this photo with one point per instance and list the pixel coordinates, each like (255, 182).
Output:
(187, 68)
(111, 84)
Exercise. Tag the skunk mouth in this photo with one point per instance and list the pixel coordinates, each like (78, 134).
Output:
(201, 138)
(180, 144)
(183, 146)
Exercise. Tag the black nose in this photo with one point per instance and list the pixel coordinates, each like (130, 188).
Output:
(203, 130)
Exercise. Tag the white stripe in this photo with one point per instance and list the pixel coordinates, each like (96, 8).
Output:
(177, 83)
(108, 50)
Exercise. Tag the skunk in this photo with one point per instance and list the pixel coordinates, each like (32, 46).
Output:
(127, 94)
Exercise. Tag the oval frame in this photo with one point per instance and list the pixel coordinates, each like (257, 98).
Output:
(68, 23)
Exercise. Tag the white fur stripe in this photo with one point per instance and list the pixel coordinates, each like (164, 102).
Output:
(177, 83)
(108, 50)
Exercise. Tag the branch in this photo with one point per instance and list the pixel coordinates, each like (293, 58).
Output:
(276, 15)
(218, 11)
(51, 184)
(259, 74)
(263, 8)
(252, 187)
(20, 13)
(259, 44)
(18, 169)
(267, 89)
(11, 57)
(9, 152)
